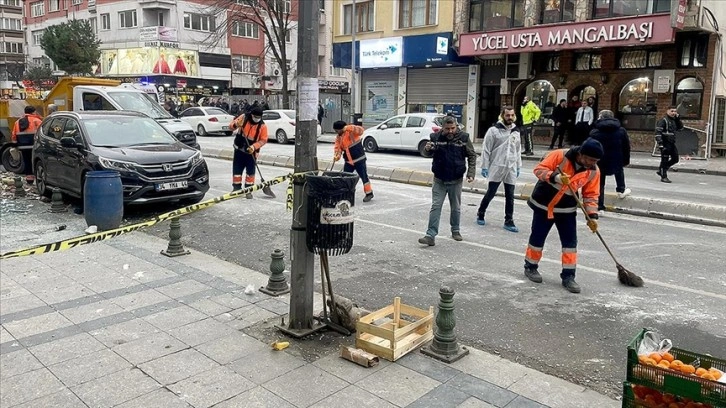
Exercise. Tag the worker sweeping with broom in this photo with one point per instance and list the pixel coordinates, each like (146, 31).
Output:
(250, 135)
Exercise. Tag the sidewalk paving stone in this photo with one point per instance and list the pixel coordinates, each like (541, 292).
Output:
(140, 299)
(28, 386)
(347, 371)
(353, 396)
(523, 402)
(93, 311)
(36, 325)
(177, 366)
(201, 331)
(116, 388)
(245, 316)
(64, 399)
(20, 303)
(18, 362)
(183, 288)
(428, 367)
(148, 348)
(257, 397)
(88, 367)
(66, 348)
(483, 390)
(174, 317)
(209, 307)
(305, 385)
(162, 398)
(232, 347)
(125, 332)
(475, 403)
(211, 387)
(398, 385)
(266, 365)
(491, 368)
(70, 292)
(443, 396)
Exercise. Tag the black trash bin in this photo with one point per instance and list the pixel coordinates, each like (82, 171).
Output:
(358, 119)
(331, 197)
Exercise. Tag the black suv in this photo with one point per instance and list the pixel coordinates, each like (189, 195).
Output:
(154, 166)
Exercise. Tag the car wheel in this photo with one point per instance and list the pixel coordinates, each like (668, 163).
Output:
(422, 149)
(281, 136)
(41, 180)
(11, 164)
(201, 131)
(370, 145)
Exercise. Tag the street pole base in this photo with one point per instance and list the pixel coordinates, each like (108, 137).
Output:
(271, 292)
(172, 254)
(446, 358)
(300, 333)
(333, 326)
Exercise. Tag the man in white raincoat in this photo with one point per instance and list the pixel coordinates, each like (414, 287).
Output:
(501, 160)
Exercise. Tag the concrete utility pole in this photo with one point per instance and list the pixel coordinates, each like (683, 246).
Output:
(303, 262)
(353, 54)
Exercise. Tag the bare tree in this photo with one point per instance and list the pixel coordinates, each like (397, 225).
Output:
(272, 17)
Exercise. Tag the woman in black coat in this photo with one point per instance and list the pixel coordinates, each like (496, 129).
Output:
(616, 145)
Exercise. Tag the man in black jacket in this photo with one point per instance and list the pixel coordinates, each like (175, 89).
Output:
(453, 156)
(665, 135)
(561, 117)
(616, 146)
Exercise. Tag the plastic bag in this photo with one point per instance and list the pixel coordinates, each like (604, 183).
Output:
(652, 343)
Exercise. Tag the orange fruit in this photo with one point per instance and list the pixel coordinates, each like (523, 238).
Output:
(688, 369)
(649, 361)
(676, 363)
(708, 376)
(715, 373)
(668, 356)
(641, 358)
(664, 364)
(700, 371)
(673, 405)
(655, 357)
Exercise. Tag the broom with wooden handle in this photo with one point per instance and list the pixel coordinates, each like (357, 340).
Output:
(625, 276)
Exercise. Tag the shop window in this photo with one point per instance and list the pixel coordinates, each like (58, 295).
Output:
(640, 59)
(488, 15)
(544, 95)
(552, 63)
(364, 17)
(623, 8)
(416, 13)
(688, 98)
(587, 61)
(554, 11)
(637, 105)
(692, 50)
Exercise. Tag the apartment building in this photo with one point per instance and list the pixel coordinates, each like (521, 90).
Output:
(12, 47)
(334, 81)
(634, 57)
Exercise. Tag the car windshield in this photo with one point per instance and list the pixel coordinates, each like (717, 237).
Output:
(289, 113)
(439, 120)
(215, 111)
(124, 131)
(140, 102)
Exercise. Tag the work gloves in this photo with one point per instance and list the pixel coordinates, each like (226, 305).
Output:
(592, 223)
(485, 173)
(336, 157)
(250, 150)
(563, 179)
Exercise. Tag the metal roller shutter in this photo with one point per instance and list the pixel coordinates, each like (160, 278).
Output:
(437, 85)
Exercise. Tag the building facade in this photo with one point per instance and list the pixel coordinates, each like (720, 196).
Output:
(634, 57)
(334, 81)
(12, 48)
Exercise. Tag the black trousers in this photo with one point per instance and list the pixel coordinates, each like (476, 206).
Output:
(619, 186)
(558, 136)
(526, 132)
(668, 155)
(508, 200)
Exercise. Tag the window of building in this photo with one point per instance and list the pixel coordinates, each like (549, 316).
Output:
(364, 17)
(544, 95)
(288, 35)
(637, 104)
(552, 63)
(587, 61)
(335, 71)
(13, 47)
(15, 24)
(720, 128)
(246, 64)
(94, 24)
(53, 5)
(13, 3)
(622, 8)
(640, 59)
(37, 9)
(692, 50)
(286, 5)
(105, 21)
(554, 11)
(199, 22)
(251, 3)
(245, 29)
(416, 13)
(127, 19)
(37, 35)
(77, 2)
(688, 98)
(487, 15)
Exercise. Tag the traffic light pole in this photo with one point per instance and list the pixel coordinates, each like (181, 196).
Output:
(301, 322)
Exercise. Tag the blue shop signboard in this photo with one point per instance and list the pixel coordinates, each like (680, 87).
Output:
(418, 51)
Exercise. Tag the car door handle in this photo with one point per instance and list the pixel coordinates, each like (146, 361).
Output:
(396, 133)
(418, 131)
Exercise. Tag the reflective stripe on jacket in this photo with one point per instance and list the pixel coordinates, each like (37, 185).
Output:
(349, 142)
(555, 197)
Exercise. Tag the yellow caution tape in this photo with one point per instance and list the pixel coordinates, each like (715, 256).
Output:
(104, 235)
(288, 200)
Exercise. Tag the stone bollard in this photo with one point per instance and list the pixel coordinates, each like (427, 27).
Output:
(175, 247)
(19, 190)
(276, 285)
(56, 202)
(444, 346)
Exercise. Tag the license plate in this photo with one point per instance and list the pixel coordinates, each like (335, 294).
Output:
(225, 127)
(174, 185)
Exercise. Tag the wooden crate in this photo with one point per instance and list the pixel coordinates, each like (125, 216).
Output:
(394, 337)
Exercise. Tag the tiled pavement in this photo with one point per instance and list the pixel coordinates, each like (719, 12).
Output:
(115, 324)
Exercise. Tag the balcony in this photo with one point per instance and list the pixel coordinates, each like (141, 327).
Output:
(157, 4)
(92, 6)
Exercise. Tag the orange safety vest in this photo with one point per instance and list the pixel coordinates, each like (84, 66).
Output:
(586, 179)
(349, 142)
(256, 134)
(34, 123)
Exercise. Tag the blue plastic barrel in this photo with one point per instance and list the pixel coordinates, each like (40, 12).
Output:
(103, 201)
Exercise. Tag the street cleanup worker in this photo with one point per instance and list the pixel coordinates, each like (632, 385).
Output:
(26, 126)
(553, 202)
(250, 135)
(348, 144)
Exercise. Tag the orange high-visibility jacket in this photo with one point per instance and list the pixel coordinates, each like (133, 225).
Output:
(349, 142)
(35, 121)
(555, 197)
(256, 136)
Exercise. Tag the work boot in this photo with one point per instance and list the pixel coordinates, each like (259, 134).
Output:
(571, 285)
(509, 226)
(532, 274)
(457, 236)
(659, 172)
(427, 240)
(368, 197)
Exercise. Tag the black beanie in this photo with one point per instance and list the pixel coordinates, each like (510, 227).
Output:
(257, 111)
(592, 148)
(339, 125)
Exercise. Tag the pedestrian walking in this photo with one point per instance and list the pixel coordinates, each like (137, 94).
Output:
(665, 135)
(616, 147)
(530, 114)
(583, 123)
(561, 173)
(250, 135)
(561, 119)
(501, 160)
(453, 157)
(572, 108)
(321, 113)
(348, 144)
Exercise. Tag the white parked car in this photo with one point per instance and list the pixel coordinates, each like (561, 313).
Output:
(404, 132)
(281, 125)
(207, 120)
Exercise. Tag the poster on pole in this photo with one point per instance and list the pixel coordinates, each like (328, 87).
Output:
(380, 97)
(307, 98)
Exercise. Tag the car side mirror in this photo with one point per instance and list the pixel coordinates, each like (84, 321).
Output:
(383, 127)
(68, 142)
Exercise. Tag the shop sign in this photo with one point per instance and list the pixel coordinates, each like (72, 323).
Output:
(381, 53)
(653, 29)
(339, 86)
(181, 83)
(164, 44)
(678, 13)
(149, 60)
(158, 33)
(442, 45)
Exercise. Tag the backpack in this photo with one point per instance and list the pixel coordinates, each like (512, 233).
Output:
(23, 124)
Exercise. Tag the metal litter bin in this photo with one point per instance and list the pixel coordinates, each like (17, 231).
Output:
(331, 197)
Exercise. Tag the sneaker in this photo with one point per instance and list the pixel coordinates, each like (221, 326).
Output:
(529, 153)
(457, 236)
(659, 173)
(665, 180)
(368, 197)
(624, 193)
(509, 226)
(532, 274)
(571, 285)
(427, 240)
(600, 213)
(480, 221)
(248, 196)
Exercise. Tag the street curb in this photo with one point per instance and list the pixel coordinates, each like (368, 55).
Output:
(678, 169)
(703, 214)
